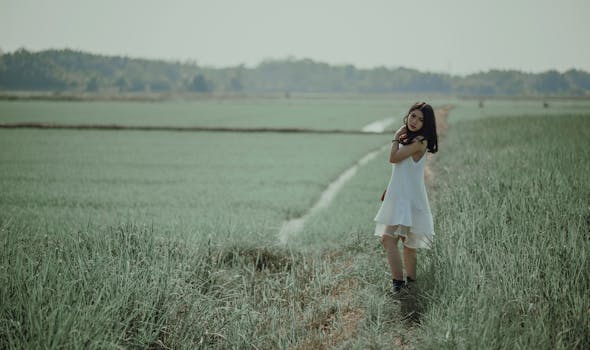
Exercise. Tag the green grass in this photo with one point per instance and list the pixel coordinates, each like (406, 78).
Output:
(467, 109)
(512, 208)
(127, 287)
(510, 264)
(279, 113)
(142, 239)
(510, 201)
(228, 185)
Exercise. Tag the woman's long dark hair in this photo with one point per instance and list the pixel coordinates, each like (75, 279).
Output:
(428, 130)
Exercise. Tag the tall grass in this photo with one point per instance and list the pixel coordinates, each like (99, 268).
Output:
(510, 268)
(129, 287)
(510, 264)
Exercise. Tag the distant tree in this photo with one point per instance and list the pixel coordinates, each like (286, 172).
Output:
(551, 82)
(235, 83)
(24, 70)
(505, 82)
(137, 85)
(122, 83)
(200, 84)
(58, 70)
(578, 78)
(160, 85)
(92, 84)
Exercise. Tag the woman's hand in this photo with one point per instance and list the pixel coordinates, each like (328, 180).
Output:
(401, 132)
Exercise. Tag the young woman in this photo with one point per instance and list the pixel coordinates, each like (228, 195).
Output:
(405, 213)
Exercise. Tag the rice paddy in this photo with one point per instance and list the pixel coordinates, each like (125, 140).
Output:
(136, 239)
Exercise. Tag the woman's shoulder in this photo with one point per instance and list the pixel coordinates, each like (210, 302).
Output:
(421, 140)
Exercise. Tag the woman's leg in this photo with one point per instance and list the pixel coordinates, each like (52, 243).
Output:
(410, 262)
(393, 256)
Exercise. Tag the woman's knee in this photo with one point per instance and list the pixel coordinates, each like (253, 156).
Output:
(389, 239)
(409, 251)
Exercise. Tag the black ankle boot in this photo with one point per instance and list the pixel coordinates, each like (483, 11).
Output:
(397, 286)
(410, 282)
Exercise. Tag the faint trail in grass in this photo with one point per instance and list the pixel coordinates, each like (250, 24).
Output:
(295, 225)
(378, 126)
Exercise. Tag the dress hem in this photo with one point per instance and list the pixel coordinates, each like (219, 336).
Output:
(414, 240)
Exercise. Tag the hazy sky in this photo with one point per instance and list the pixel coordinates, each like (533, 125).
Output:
(452, 36)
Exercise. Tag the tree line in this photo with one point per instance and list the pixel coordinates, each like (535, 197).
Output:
(75, 71)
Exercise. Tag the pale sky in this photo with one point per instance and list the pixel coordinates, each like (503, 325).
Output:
(449, 36)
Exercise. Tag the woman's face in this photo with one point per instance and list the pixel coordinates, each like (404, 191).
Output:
(415, 120)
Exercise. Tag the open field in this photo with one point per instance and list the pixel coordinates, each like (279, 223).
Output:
(314, 113)
(169, 240)
(251, 113)
(469, 109)
(205, 184)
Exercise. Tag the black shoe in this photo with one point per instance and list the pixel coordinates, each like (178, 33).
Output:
(397, 286)
(409, 288)
(410, 283)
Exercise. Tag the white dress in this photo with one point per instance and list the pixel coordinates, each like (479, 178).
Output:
(406, 204)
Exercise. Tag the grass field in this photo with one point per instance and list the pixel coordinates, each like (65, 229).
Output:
(513, 205)
(470, 109)
(163, 263)
(205, 184)
(251, 113)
